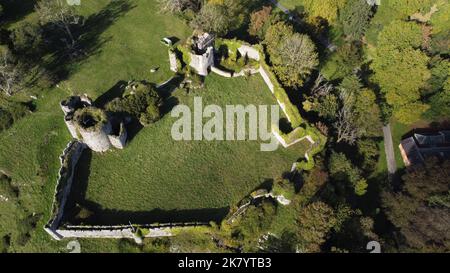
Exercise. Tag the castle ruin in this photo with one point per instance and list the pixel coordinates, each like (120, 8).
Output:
(92, 125)
(202, 53)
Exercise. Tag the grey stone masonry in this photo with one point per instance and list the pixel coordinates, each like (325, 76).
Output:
(173, 61)
(201, 63)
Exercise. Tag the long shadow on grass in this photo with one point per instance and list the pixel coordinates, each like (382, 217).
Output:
(114, 92)
(88, 35)
(102, 216)
(79, 210)
(14, 11)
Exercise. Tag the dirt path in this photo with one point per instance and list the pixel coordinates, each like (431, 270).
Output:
(389, 150)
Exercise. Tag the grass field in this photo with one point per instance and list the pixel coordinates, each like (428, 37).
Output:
(29, 150)
(153, 171)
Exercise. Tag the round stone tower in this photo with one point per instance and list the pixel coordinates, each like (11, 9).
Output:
(94, 127)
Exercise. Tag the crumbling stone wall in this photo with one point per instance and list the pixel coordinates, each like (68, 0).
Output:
(119, 141)
(121, 231)
(99, 138)
(251, 52)
(69, 160)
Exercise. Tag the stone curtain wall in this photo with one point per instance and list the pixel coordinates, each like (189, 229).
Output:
(69, 160)
(111, 233)
(251, 52)
(123, 231)
(266, 78)
(302, 130)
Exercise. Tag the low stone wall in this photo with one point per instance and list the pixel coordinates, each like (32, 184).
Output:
(69, 160)
(121, 231)
(226, 74)
(246, 71)
(220, 72)
(266, 78)
(173, 61)
(249, 51)
(111, 233)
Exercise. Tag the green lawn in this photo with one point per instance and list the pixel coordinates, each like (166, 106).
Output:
(156, 172)
(153, 171)
(29, 151)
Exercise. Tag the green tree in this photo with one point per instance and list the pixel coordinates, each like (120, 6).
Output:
(213, 18)
(423, 225)
(293, 55)
(440, 103)
(400, 69)
(355, 17)
(59, 13)
(314, 223)
(326, 9)
(343, 62)
(176, 6)
(408, 7)
(343, 170)
(369, 151)
(368, 113)
(259, 22)
(27, 39)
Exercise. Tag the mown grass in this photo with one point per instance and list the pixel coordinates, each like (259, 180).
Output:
(29, 150)
(156, 172)
(153, 171)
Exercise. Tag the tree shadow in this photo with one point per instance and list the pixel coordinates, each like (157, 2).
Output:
(15, 11)
(89, 40)
(114, 92)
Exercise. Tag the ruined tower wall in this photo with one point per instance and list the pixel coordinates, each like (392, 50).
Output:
(97, 139)
(120, 140)
(201, 63)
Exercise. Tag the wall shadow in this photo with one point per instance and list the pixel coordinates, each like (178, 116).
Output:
(114, 92)
(102, 216)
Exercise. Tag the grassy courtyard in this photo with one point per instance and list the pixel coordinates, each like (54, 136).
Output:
(187, 180)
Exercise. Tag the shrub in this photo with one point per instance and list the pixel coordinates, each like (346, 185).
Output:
(141, 101)
(90, 118)
(6, 120)
(11, 112)
(151, 115)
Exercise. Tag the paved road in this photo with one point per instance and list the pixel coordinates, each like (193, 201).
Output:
(324, 41)
(389, 150)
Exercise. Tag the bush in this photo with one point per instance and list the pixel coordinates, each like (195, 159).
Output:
(151, 115)
(90, 118)
(27, 39)
(6, 120)
(141, 101)
(11, 112)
